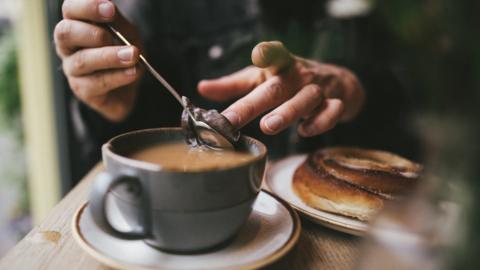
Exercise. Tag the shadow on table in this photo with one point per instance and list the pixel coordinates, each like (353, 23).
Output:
(320, 248)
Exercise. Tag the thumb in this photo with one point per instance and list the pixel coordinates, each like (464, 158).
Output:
(273, 56)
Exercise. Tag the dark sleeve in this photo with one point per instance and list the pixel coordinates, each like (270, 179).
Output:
(386, 121)
(89, 130)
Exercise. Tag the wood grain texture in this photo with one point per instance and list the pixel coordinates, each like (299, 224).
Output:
(51, 246)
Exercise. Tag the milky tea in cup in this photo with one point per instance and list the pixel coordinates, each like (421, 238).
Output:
(174, 197)
(178, 156)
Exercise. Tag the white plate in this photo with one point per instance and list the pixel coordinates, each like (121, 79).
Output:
(279, 181)
(270, 232)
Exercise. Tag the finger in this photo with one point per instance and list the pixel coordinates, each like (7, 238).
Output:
(272, 55)
(231, 86)
(91, 60)
(89, 10)
(302, 103)
(99, 11)
(267, 95)
(325, 120)
(89, 87)
(71, 35)
(316, 110)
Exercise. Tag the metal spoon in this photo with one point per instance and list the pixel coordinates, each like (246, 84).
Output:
(204, 132)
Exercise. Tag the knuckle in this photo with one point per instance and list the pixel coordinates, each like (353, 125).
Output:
(305, 73)
(333, 88)
(80, 91)
(103, 81)
(79, 61)
(276, 92)
(315, 91)
(292, 111)
(104, 56)
(247, 108)
(66, 66)
(100, 36)
(62, 30)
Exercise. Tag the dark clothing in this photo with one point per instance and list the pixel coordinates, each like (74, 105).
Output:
(192, 40)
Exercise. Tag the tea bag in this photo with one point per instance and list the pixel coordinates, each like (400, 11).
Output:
(211, 117)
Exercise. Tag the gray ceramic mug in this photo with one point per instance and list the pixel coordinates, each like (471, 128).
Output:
(172, 210)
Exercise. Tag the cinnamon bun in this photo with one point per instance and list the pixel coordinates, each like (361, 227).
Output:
(353, 182)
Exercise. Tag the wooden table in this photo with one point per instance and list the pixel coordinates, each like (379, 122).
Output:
(51, 246)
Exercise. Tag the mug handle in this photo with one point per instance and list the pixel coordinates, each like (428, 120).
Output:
(102, 184)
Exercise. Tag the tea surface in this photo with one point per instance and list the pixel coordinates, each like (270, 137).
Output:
(179, 156)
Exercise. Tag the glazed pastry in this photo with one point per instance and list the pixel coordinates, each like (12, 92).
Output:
(352, 181)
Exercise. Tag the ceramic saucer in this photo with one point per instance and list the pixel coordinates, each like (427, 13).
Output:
(270, 232)
(279, 178)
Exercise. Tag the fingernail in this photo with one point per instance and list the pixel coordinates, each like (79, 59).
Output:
(106, 9)
(125, 54)
(274, 122)
(232, 117)
(131, 71)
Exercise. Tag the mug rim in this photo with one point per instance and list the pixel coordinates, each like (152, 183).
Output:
(107, 149)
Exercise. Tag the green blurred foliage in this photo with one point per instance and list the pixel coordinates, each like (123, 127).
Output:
(439, 42)
(12, 170)
(9, 86)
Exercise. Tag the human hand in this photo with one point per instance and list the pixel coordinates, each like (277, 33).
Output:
(100, 73)
(295, 88)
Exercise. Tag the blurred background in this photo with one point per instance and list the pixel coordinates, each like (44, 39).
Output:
(433, 51)
(15, 218)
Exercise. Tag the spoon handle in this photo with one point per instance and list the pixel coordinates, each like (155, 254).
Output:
(149, 67)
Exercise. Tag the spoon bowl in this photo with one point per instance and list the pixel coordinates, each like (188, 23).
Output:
(204, 132)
